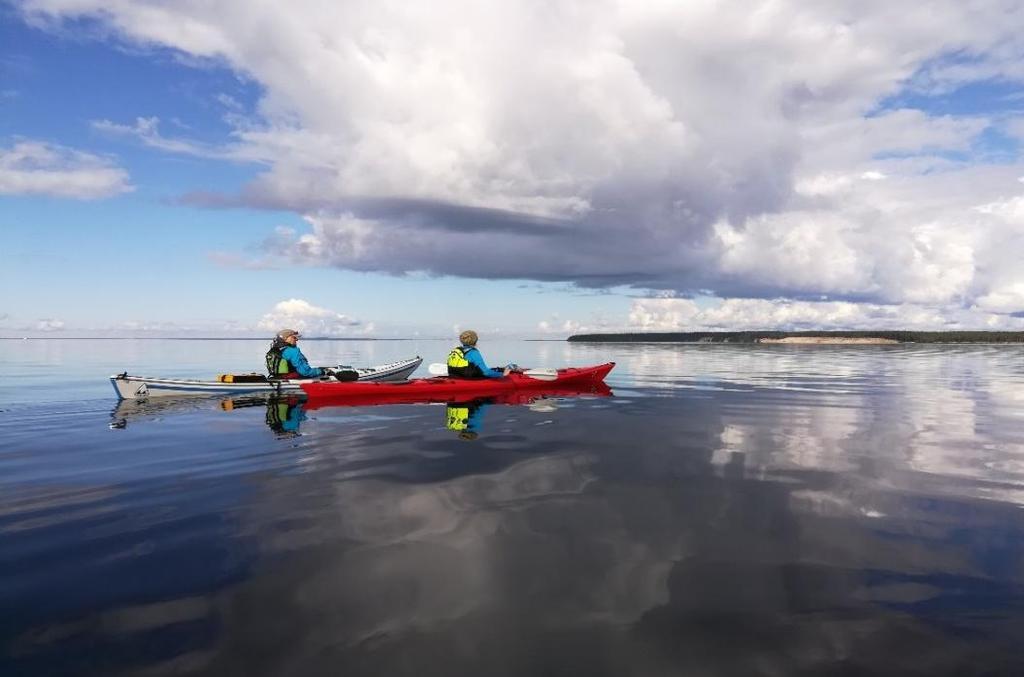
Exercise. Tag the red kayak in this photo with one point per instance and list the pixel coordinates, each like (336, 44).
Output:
(576, 380)
(512, 397)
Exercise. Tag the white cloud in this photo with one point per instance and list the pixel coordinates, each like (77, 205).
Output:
(668, 314)
(1007, 298)
(555, 325)
(943, 239)
(1015, 126)
(310, 320)
(49, 325)
(229, 102)
(730, 146)
(147, 131)
(236, 260)
(38, 168)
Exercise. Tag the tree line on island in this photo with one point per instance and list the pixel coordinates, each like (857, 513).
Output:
(806, 336)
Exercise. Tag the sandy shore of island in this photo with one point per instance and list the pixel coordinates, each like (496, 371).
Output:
(844, 340)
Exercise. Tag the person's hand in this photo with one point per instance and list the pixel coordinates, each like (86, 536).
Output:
(506, 371)
(327, 371)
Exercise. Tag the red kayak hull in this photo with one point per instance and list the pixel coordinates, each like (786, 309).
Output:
(572, 381)
(511, 397)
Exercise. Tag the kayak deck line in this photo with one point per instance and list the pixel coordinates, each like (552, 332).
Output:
(131, 387)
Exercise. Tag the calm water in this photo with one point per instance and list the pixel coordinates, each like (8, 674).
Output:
(772, 510)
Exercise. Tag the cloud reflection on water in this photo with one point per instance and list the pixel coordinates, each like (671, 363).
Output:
(805, 511)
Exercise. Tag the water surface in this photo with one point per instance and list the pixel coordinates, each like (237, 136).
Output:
(731, 510)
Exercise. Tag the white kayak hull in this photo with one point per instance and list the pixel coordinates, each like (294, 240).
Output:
(130, 387)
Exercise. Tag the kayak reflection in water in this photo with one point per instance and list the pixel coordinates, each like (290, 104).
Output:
(285, 414)
(466, 361)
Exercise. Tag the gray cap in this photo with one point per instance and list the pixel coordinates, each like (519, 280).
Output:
(285, 333)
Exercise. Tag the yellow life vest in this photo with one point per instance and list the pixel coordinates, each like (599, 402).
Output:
(459, 366)
(458, 418)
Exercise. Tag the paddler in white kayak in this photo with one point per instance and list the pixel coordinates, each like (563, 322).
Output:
(285, 360)
(465, 361)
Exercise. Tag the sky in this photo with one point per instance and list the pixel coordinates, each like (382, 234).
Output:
(386, 169)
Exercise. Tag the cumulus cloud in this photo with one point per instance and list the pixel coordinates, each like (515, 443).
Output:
(672, 314)
(750, 149)
(310, 320)
(38, 168)
(1008, 298)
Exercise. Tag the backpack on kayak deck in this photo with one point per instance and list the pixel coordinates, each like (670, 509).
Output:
(277, 366)
(345, 374)
(242, 378)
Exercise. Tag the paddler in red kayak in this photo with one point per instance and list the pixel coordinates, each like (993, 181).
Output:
(465, 361)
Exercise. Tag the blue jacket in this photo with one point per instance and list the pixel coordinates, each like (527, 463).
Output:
(295, 416)
(473, 356)
(476, 418)
(299, 362)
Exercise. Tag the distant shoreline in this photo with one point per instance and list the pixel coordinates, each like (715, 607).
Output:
(808, 337)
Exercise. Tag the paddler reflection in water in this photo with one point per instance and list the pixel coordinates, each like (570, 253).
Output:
(465, 360)
(284, 414)
(466, 418)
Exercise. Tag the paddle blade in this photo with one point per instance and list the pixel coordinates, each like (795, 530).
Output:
(541, 374)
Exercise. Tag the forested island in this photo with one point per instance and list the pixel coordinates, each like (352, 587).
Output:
(809, 337)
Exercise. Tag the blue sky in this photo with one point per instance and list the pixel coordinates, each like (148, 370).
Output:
(144, 258)
(378, 171)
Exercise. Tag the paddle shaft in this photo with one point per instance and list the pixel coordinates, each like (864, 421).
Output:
(438, 369)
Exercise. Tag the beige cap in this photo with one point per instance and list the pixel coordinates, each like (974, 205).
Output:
(469, 337)
(285, 333)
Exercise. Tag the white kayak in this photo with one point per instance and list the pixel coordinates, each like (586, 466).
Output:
(130, 387)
